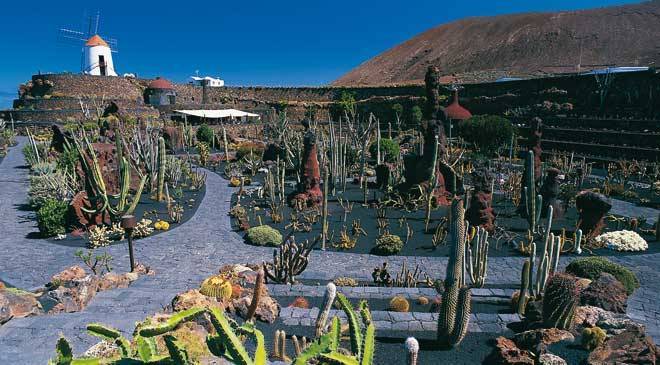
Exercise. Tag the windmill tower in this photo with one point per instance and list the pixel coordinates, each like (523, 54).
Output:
(96, 52)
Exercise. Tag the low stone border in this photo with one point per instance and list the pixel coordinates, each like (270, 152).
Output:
(377, 292)
(408, 321)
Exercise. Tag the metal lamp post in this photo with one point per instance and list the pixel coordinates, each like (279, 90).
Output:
(128, 223)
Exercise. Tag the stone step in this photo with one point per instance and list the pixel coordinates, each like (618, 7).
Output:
(374, 292)
(408, 321)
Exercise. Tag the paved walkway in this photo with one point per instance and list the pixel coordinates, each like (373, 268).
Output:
(182, 257)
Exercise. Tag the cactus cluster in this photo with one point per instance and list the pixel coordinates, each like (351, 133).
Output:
(97, 192)
(362, 334)
(477, 251)
(455, 308)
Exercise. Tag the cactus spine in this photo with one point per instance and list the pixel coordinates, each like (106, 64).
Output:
(477, 252)
(455, 309)
(328, 299)
(161, 169)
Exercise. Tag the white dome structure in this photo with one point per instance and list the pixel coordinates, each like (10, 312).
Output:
(98, 58)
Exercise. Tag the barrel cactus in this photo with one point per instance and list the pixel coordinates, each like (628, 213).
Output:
(217, 286)
(560, 299)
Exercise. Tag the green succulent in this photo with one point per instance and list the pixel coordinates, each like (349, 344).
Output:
(263, 236)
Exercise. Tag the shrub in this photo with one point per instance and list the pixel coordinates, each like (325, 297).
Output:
(416, 116)
(205, 134)
(389, 149)
(247, 148)
(43, 168)
(591, 267)
(68, 159)
(51, 217)
(263, 236)
(53, 186)
(593, 337)
(388, 244)
(399, 304)
(486, 132)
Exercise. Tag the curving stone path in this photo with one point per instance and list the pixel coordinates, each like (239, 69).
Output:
(182, 257)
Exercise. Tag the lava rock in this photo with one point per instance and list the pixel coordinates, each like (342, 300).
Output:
(16, 303)
(538, 340)
(74, 295)
(607, 293)
(550, 191)
(587, 315)
(591, 207)
(632, 346)
(507, 353)
(551, 359)
(268, 308)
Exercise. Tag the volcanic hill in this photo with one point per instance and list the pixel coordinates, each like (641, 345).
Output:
(485, 48)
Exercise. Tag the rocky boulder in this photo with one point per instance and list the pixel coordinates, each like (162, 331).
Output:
(506, 352)
(16, 303)
(538, 340)
(74, 295)
(587, 315)
(268, 308)
(193, 299)
(551, 359)
(607, 293)
(631, 346)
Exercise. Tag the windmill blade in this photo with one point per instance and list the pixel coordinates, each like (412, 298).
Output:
(70, 37)
(112, 42)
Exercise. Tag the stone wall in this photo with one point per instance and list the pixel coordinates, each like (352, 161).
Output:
(627, 94)
(85, 86)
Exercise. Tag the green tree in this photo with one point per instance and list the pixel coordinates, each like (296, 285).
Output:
(205, 134)
(347, 103)
(416, 116)
(398, 114)
(486, 132)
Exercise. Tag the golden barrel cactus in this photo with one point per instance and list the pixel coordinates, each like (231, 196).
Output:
(218, 286)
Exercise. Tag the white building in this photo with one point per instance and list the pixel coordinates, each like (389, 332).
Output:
(98, 58)
(210, 81)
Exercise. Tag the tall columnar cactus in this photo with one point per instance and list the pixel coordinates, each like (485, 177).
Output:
(524, 285)
(433, 184)
(328, 299)
(97, 192)
(477, 260)
(161, 169)
(578, 240)
(228, 339)
(531, 202)
(455, 308)
(560, 300)
(259, 288)
(412, 350)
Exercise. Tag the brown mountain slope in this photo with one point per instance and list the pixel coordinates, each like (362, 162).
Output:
(522, 44)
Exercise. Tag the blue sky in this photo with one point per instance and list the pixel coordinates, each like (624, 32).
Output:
(245, 42)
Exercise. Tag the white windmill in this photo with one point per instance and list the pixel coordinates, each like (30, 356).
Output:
(96, 50)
